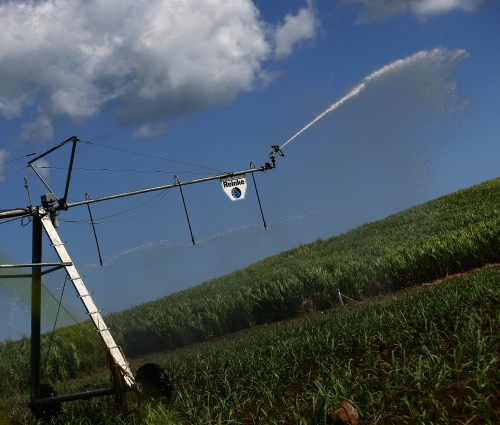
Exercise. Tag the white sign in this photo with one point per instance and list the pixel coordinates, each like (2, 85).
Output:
(235, 187)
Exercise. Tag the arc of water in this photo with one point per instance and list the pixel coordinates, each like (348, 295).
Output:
(354, 92)
(437, 54)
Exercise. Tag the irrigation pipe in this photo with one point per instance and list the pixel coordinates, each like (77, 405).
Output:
(350, 299)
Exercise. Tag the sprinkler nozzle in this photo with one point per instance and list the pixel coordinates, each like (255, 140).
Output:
(272, 156)
(276, 150)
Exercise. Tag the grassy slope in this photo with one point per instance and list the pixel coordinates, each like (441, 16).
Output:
(448, 235)
(427, 356)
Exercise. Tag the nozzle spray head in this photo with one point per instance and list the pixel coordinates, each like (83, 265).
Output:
(272, 156)
(276, 150)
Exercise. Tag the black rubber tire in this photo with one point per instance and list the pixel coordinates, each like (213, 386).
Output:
(153, 383)
(47, 411)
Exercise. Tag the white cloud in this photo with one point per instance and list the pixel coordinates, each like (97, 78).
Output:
(42, 167)
(426, 8)
(376, 9)
(3, 156)
(149, 130)
(294, 30)
(39, 130)
(147, 60)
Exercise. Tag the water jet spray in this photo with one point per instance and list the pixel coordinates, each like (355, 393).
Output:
(436, 54)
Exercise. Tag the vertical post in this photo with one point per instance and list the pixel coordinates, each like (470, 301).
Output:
(252, 165)
(340, 297)
(36, 305)
(176, 179)
(70, 168)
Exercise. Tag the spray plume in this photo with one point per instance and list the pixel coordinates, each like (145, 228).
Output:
(437, 56)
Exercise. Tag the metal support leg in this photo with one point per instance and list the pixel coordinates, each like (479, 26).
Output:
(36, 306)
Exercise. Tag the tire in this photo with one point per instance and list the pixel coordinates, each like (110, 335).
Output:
(47, 411)
(153, 383)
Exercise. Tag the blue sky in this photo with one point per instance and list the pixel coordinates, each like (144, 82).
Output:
(194, 88)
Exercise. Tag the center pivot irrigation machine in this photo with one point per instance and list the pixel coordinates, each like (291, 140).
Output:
(150, 379)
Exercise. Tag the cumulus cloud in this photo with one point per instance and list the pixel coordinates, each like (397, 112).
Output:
(295, 29)
(422, 9)
(145, 60)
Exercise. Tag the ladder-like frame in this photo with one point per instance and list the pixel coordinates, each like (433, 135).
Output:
(86, 298)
